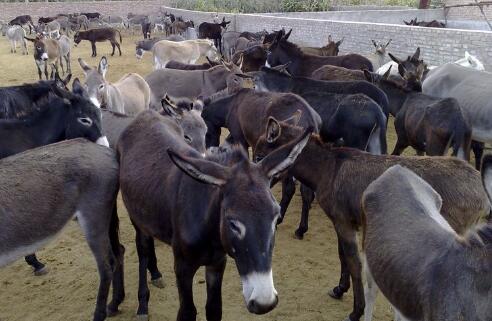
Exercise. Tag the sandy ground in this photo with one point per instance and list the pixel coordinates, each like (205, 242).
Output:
(303, 270)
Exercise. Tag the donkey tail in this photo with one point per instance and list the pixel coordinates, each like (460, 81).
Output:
(486, 172)
(376, 144)
(114, 233)
(461, 142)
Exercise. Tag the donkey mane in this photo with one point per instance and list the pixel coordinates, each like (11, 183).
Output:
(291, 47)
(10, 95)
(24, 114)
(228, 156)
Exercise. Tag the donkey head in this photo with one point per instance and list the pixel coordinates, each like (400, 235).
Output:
(224, 23)
(276, 55)
(333, 48)
(95, 82)
(380, 47)
(248, 212)
(40, 48)
(411, 63)
(277, 134)
(84, 119)
(188, 115)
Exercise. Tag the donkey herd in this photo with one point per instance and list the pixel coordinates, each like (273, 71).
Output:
(309, 114)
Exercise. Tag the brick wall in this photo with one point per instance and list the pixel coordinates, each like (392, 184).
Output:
(466, 13)
(438, 46)
(36, 9)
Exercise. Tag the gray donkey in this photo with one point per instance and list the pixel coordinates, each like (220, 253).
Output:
(425, 269)
(44, 188)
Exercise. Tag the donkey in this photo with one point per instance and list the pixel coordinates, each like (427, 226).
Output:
(303, 65)
(332, 48)
(252, 58)
(16, 34)
(428, 124)
(245, 115)
(146, 45)
(379, 56)
(408, 224)
(189, 83)
(204, 216)
(469, 87)
(129, 95)
(23, 21)
(207, 30)
(181, 66)
(339, 176)
(98, 35)
(51, 29)
(410, 64)
(335, 73)
(188, 51)
(65, 44)
(32, 216)
(46, 51)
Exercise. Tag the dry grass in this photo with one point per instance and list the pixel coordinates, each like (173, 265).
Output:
(303, 270)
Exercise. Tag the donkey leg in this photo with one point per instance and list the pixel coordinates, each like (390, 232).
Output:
(477, 148)
(142, 242)
(214, 275)
(155, 274)
(288, 191)
(344, 282)
(94, 51)
(307, 199)
(46, 70)
(118, 274)
(184, 278)
(399, 147)
(113, 46)
(39, 268)
(370, 293)
(101, 249)
(119, 48)
(351, 253)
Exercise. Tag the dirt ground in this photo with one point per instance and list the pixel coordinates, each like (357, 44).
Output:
(303, 270)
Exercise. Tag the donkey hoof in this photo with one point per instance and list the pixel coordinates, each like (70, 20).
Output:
(158, 283)
(299, 235)
(41, 271)
(110, 312)
(142, 317)
(336, 293)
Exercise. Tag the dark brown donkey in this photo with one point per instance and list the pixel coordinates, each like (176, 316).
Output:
(205, 207)
(426, 270)
(431, 125)
(330, 49)
(339, 176)
(303, 65)
(44, 188)
(98, 35)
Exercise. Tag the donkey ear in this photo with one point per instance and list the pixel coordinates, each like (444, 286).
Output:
(29, 39)
(387, 44)
(200, 169)
(368, 75)
(170, 107)
(398, 61)
(103, 66)
(85, 67)
(402, 70)
(330, 39)
(374, 43)
(77, 87)
(339, 42)
(67, 79)
(287, 35)
(273, 130)
(294, 119)
(284, 157)
(387, 73)
(416, 55)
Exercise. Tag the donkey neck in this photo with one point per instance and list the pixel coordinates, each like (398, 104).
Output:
(47, 127)
(312, 164)
(218, 111)
(396, 97)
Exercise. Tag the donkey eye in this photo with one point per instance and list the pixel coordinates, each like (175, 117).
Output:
(85, 121)
(237, 228)
(188, 139)
(101, 87)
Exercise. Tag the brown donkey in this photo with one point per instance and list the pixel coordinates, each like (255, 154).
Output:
(205, 207)
(339, 176)
(330, 49)
(425, 269)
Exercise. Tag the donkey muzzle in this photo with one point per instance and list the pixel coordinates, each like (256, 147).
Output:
(259, 292)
